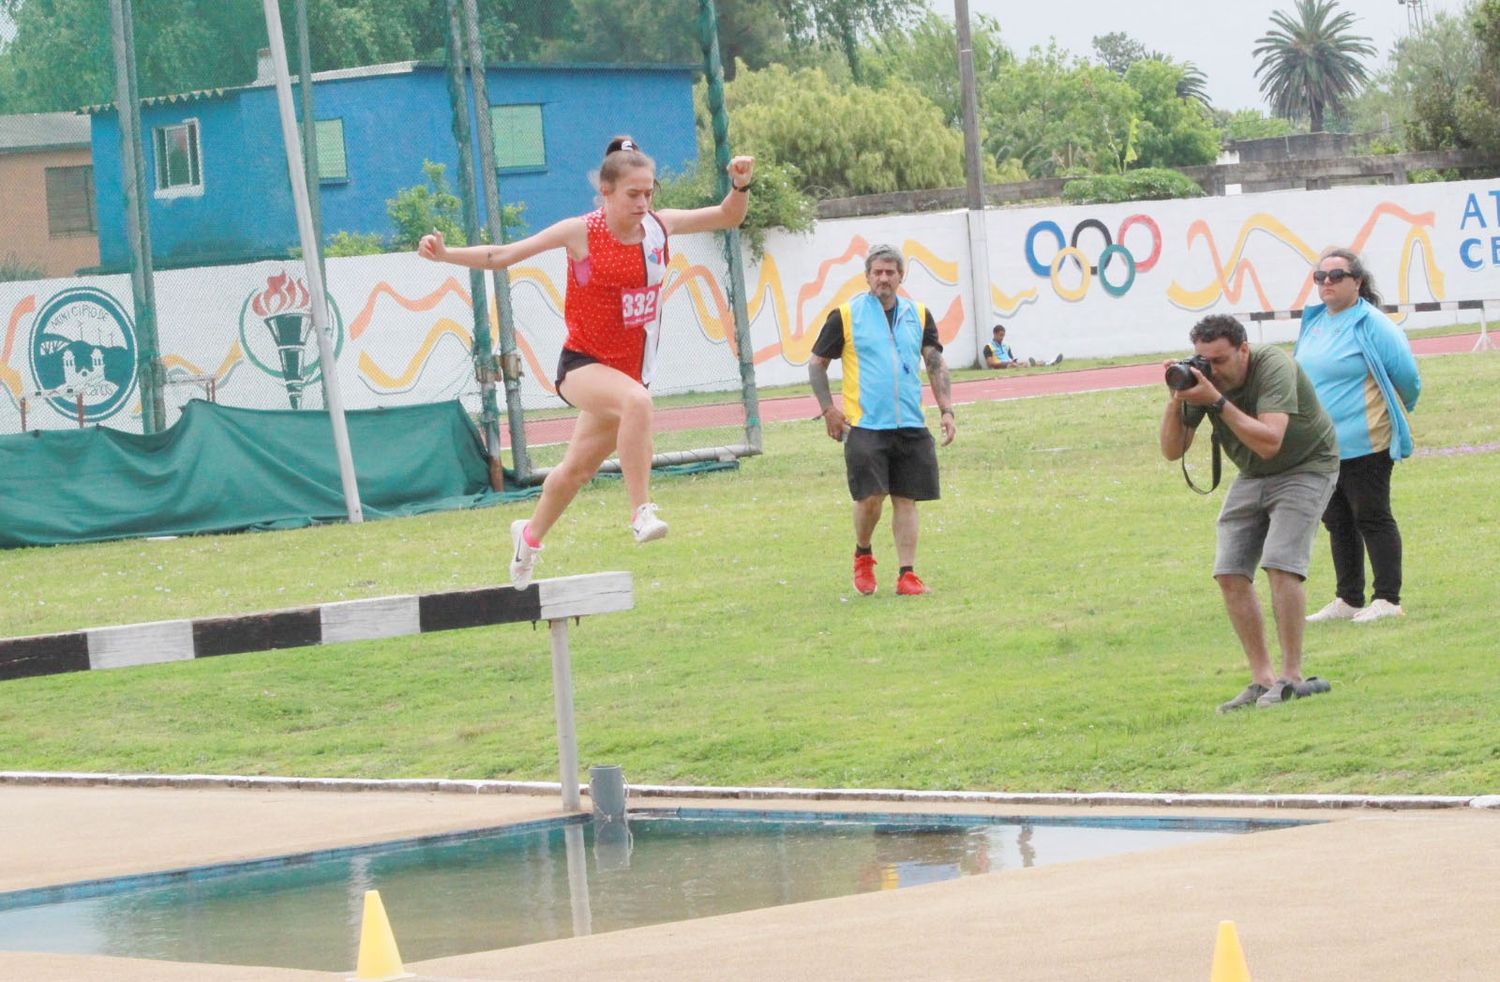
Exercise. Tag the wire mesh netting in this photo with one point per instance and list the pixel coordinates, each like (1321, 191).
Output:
(232, 311)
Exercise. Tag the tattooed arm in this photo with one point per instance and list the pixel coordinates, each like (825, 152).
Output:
(942, 390)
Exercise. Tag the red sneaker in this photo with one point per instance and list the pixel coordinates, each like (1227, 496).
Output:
(911, 585)
(864, 573)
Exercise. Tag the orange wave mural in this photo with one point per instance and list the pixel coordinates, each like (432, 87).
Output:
(1232, 273)
(407, 376)
(9, 376)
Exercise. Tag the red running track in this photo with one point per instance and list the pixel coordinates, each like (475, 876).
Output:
(994, 389)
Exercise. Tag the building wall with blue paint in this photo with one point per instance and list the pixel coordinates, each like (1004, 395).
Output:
(392, 122)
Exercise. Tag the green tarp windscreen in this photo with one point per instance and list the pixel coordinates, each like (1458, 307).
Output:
(221, 469)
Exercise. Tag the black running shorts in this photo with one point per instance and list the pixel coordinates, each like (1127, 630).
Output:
(901, 462)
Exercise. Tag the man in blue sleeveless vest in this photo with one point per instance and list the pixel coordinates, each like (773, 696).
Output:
(883, 340)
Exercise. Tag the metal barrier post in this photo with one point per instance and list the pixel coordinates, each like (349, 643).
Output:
(562, 695)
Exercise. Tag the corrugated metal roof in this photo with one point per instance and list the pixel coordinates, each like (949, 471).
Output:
(43, 131)
(388, 68)
(160, 100)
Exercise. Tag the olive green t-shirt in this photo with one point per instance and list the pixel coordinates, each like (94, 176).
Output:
(1277, 384)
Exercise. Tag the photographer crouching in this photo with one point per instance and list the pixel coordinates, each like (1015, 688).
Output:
(1265, 415)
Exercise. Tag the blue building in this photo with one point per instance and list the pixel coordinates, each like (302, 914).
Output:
(216, 175)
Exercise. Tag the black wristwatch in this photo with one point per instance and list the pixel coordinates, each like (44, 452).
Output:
(1217, 406)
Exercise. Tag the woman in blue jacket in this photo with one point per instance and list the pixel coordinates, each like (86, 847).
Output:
(1366, 377)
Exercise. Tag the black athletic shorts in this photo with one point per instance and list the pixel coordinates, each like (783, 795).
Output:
(566, 362)
(902, 462)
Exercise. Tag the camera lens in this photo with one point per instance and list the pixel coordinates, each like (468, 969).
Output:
(1180, 377)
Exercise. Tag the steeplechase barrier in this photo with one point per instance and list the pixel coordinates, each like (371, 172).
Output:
(1427, 306)
(553, 600)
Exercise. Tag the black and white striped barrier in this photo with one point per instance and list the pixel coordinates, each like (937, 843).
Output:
(553, 601)
(1425, 307)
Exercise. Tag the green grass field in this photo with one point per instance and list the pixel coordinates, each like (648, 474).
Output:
(1075, 640)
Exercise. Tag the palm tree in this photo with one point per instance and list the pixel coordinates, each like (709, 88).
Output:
(1192, 85)
(1311, 63)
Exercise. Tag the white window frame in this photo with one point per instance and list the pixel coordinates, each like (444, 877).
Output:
(158, 152)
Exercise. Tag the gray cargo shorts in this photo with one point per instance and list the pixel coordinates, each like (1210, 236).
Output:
(1270, 522)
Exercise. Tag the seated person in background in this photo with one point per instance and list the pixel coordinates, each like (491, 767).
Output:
(997, 354)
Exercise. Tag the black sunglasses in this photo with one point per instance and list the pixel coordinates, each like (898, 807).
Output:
(1331, 275)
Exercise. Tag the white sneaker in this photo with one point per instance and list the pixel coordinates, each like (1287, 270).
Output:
(1336, 611)
(1057, 360)
(1377, 610)
(646, 526)
(523, 557)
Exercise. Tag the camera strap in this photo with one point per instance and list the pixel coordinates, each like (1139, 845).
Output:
(1218, 463)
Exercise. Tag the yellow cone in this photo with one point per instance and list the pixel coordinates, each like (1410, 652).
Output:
(379, 961)
(1229, 959)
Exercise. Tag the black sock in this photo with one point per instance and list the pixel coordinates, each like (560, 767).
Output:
(860, 550)
(907, 569)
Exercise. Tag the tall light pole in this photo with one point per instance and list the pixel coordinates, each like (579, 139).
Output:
(979, 251)
(1416, 15)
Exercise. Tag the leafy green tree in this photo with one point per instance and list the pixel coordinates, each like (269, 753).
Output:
(844, 139)
(776, 201)
(1174, 131)
(666, 31)
(342, 244)
(1146, 184)
(926, 58)
(841, 23)
(1311, 63)
(1479, 101)
(1117, 51)
(1252, 124)
(1056, 114)
(1413, 97)
(433, 206)
(60, 57)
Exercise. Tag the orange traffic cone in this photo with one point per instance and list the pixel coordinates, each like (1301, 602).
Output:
(379, 961)
(1229, 959)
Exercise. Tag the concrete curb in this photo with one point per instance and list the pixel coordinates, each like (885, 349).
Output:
(1110, 799)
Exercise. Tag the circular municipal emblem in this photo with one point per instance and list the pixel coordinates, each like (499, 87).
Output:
(83, 344)
(276, 333)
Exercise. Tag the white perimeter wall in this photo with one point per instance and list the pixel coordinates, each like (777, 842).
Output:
(406, 328)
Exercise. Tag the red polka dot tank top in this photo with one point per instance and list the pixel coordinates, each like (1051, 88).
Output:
(613, 304)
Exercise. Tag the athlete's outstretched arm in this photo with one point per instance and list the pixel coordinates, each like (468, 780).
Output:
(728, 213)
(570, 233)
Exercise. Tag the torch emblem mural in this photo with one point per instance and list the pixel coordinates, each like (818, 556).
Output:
(276, 332)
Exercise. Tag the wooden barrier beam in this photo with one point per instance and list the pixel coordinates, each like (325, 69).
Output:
(553, 600)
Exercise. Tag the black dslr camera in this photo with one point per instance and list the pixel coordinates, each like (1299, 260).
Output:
(1180, 373)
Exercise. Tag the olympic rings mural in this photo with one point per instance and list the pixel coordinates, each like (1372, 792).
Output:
(1069, 250)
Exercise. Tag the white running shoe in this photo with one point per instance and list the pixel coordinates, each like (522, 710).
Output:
(1377, 610)
(646, 526)
(523, 557)
(1336, 611)
(1057, 360)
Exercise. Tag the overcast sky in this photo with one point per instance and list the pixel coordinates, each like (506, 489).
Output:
(1216, 36)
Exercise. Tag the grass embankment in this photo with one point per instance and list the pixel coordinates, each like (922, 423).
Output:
(1075, 639)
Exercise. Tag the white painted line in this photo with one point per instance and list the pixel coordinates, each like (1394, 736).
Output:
(1102, 799)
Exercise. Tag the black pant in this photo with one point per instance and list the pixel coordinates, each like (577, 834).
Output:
(1359, 519)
